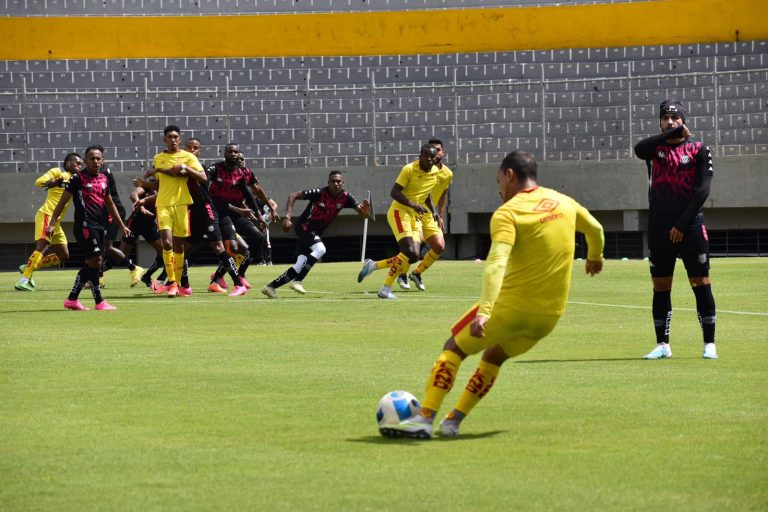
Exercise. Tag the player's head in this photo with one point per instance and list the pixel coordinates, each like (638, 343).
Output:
(194, 146)
(94, 159)
(172, 137)
(73, 162)
(232, 154)
(427, 156)
(440, 149)
(517, 170)
(335, 182)
(672, 114)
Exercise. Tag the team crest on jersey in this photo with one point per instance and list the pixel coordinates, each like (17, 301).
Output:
(685, 159)
(546, 205)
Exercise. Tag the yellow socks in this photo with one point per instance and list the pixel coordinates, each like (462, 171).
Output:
(32, 263)
(427, 262)
(478, 386)
(50, 260)
(441, 379)
(170, 268)
(178, 265)
(398, 265)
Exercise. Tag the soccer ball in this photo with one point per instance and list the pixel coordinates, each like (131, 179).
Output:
(395, 407)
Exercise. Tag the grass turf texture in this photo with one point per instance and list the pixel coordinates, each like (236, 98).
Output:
(214, 403)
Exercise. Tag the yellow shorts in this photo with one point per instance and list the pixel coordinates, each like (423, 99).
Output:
(175, 218)
(42, 220)
(405, 223)
(516, 331)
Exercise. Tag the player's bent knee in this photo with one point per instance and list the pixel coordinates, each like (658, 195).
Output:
(318, 250)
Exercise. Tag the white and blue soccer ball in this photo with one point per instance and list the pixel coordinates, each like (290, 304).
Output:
(396, 406)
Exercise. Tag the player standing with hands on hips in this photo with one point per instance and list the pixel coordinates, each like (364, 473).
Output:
(680, 172)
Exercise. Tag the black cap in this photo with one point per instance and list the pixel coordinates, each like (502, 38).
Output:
(672, 106)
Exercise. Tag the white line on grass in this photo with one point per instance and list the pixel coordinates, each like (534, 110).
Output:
(440, 298)
(628, 306)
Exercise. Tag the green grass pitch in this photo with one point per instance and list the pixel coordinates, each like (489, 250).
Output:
(218, 403)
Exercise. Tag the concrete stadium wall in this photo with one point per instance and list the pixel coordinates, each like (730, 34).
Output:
(616, 192)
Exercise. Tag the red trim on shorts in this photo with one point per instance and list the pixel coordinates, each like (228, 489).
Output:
(398, 222)
(464, 321)
(704, 232)
(46, 221)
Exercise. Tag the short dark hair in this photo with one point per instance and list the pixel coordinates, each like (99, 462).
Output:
(171, 128)
(332, 173)
(523, 163)
(232, 144)
(428, 149)
(194, 138)
(435, 141)
(94, 147)
(70, 157)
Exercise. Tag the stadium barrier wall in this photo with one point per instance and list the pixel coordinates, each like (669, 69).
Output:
(615, 191)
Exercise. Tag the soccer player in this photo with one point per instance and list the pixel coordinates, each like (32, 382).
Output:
(228, 187)
(141, 222)
(116, 256)
(680, 173)
(55, 180)
(93, 207)
(525, 288)
(172, 168)
(434, 240)
(411, 209)
(324, 205)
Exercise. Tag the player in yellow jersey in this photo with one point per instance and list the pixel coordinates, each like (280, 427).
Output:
(172, 167)
(434, 239)
(55, 180)
(525, 289)
(411, 207)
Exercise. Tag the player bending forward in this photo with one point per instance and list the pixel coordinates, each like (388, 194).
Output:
(525, 288)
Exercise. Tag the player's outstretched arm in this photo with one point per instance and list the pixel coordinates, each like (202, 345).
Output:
(593, 231)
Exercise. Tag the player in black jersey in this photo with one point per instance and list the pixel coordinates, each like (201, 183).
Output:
(141, 222)
(93, 208)
(324, 205)
(113, 255)
(680, 173)
(228, 188)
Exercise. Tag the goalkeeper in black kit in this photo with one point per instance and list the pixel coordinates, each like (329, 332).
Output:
(680, 172)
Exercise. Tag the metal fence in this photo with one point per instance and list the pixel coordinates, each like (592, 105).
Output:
(368, 125)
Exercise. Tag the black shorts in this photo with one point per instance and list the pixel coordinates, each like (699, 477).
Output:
(227, 227)
(203, 224)
(91, 239)
(306, 239)
(250, 233)
(141, 225)
(693, 250)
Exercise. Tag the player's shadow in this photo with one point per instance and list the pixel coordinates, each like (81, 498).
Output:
(410, 441)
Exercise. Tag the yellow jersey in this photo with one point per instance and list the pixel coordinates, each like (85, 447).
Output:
(540, 225)
(173, 190)
(444, 180)
(416, 183)
(54, 193)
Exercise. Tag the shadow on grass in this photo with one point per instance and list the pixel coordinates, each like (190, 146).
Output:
(410, 441)
(596, 360)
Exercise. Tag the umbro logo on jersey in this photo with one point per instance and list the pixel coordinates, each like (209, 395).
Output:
(546, 205)
(660, 154)
(685, 159)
